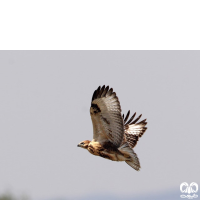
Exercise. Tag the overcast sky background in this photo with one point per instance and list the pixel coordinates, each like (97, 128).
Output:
(45, 98)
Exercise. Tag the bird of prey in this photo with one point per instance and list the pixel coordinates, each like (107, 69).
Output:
(114, 136)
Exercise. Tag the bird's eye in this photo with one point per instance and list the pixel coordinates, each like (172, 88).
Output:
(82, 142)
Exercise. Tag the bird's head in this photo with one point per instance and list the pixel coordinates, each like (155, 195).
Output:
(84, 144)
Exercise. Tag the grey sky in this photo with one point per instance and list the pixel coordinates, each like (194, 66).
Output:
(44, 113)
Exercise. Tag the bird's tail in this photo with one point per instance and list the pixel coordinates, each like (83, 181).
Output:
(132, 158)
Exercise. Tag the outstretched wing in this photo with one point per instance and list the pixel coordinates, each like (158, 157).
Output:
(106, 117)
(133, 130)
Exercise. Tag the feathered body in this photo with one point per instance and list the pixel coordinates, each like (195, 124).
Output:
(108, 152)
(113, 135)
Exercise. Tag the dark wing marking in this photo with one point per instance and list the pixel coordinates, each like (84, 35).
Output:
(106, 116)
(133, 130)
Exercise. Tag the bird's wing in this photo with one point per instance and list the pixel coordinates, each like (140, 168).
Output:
(106, 117)
(133, 130)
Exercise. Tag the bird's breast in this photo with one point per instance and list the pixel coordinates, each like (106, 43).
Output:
(96, 149)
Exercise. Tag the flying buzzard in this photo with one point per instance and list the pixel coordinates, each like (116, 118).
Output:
(114, 136)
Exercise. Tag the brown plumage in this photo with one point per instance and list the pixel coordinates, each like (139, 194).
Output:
(113, 135)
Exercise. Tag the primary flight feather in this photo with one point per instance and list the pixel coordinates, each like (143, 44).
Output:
(113, 135)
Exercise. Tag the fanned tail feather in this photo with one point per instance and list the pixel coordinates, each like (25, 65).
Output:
(132, 159)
